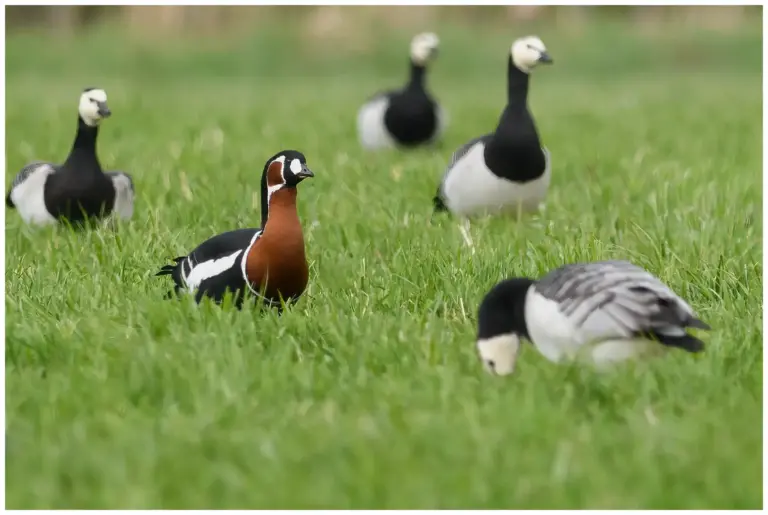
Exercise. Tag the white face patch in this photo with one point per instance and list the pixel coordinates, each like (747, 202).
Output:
(295, 166)
(89, 108)
(499, 354)
(423, 47)
(526, 52)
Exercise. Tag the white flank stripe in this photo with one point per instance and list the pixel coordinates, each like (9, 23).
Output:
(208, 269)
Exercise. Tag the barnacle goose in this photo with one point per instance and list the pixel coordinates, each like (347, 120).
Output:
(605, 312)
(407, 117)
(269, 263)
(508, 169)
(45, 193)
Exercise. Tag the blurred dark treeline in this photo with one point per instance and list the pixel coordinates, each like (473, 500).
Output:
(323, 21)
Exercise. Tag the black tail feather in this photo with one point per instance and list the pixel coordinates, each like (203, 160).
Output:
(439, 203)
(698, 324)
(8, 201)
(169, 269)
(688, 343)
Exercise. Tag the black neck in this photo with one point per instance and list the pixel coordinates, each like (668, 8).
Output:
(83, 153)
(264, 199)
(517, 85)
(418, 75)
(518, 314)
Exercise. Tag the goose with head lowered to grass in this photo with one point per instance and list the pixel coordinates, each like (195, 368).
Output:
(79, 189)
(268, 263)
(604, 312)
(507, 169)
(408, 117)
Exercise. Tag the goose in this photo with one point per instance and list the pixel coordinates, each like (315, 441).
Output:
(507, 169)
(45, 193)
(269, 263)
(603, 312)
(407, 117)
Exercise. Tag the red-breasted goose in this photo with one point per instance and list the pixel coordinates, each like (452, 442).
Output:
(267, 263)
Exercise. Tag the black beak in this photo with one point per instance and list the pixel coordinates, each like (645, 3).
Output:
(104, 111)
(305, 172)
(545, 58)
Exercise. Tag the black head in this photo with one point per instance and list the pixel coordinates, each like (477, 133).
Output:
(501, 324)
(285, 169)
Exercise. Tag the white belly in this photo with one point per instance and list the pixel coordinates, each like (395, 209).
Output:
(472, 189)
(555, 337)
(29, 197)
(370, 125)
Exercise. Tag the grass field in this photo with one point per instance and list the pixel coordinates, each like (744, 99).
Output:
(369, 392)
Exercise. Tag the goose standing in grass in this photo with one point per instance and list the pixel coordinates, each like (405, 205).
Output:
(407, 117)
(268, 262)
(605, 311)
(508, 169)
(45, 193)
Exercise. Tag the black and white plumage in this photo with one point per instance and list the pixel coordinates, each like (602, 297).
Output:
(605, 311)
(508, 169)
(407, 117)
(46, 193)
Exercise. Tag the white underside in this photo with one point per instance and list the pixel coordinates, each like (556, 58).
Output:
(208, 269)
(123, 196)
(470, 188)
(370, 125)
(373, 133)
(557, 338)
(29, 197)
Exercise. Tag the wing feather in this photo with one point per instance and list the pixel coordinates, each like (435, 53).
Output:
(616, 299)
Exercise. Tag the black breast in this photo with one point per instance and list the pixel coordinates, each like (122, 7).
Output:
(75, 197)
(411, 118)
(514, 152)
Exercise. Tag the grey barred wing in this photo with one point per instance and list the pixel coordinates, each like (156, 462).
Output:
(25, 172)
(616, 299)
(466, 147)
(117, 175)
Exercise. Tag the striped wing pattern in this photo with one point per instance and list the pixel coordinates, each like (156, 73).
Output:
(27, 171)
(608, 299)
(466, 147)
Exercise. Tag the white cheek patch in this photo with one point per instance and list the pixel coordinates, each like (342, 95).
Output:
(499, 353)
(98, 94)
(295, 166)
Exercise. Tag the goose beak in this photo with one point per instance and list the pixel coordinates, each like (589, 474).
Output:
(104, 111)
(305, 172)
(545, 58)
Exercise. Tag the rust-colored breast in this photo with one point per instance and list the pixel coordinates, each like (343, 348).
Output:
(277, 263)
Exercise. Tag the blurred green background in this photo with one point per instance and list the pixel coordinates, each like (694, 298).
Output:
(369, 394)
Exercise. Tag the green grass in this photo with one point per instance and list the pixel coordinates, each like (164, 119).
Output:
(369, 392)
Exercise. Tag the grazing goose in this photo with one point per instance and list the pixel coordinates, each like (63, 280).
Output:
(508, 169)
(268, 262)
(605, 311)
(407, 117)
(45, 193)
